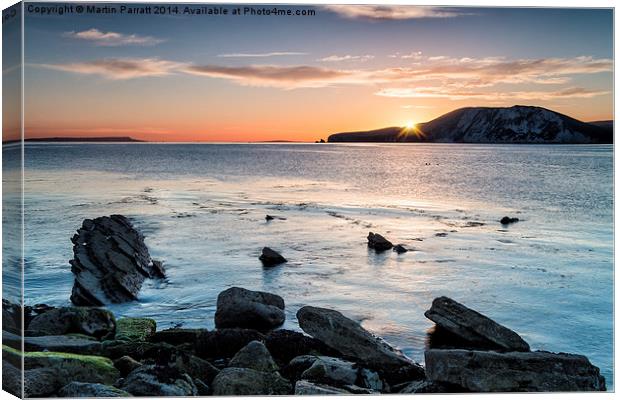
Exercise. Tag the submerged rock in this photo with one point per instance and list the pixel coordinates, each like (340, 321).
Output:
(478, 330)
(91, 321)
(508, 220)
(271, 257)
(487, 371)
(224, 343)
(110, 262)
(81, 389)
(353, 341)
(400, 249)
(378, 242)
(310, 388)
(254, 356)
(245, 381)
(284, 345)
(152, 380)
(242, 308)
(135, 329)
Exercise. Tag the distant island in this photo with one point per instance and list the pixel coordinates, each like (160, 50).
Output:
(85, 139)
(516, 124)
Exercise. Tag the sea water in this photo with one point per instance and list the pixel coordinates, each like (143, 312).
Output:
(202, 208)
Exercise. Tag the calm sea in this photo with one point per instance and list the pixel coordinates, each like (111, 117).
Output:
(202, 210)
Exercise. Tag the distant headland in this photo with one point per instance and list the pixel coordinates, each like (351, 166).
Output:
(516, 124)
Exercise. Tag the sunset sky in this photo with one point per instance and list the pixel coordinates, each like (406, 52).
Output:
(253, 78)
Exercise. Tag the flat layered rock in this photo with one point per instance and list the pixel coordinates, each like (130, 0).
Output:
(478, 330)
(110, 262)
(353, 341)
(91, 321)
(241, 308)
(487, 371)
(63, 343)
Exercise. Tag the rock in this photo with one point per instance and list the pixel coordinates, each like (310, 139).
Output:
(11, 379)
(268, 217)
(135, 329)
(371, 380)
(293, 370)
(284, 345)
(400, 249)
(271, 257)
(430, 387)
(508, 220)
(242, 308)
(202, 388)
(254, 356)
(80, 389)
(245, 381)
(224, 343)
(177, 336)
(155, 380)
(346, 335)
(157, 269)
(126, 364)
(54, 370)
(473, 327)
(63, 343)
(110, 262)
(90, 321)
(331, 371)
(486, 371)
(42, 382)
(311, 388)
(12, 317)
(378, 242)
(115, 349)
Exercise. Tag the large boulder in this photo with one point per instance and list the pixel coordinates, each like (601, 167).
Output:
(331, 371)
(242, 308)
(42, 382)
(135, 329)
(81, 389)
(378, 242)
(477, 330)
(110, 262)
(224, 343)
(284, 345)
(254, 356)
(353, 341)
(488, 371)
(157, 380)
(91, 321)
(246, 381)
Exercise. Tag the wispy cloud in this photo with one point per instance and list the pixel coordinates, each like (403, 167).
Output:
(259, 55)
(113, 38)
(393, 11)
(445, 77)
(116, 69)
(287, 77)
(456, 94)
(407, 56)
(347, 57)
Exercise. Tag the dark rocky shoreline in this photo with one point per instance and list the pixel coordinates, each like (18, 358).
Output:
(87, 352)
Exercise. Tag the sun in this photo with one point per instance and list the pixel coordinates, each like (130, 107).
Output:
(410, 124)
